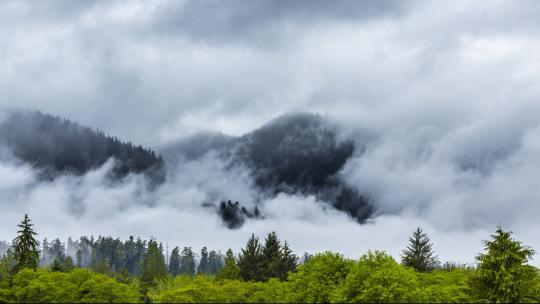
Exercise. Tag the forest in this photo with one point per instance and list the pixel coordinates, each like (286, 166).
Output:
(55, 146)
(264, 271)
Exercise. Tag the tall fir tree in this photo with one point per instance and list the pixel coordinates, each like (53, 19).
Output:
(187, 261)
(250, 260)
(204, 262)
(288, 262)
(215, 262)
(153, 268)
(503, 275)
(230, 271)
(25, 245)
(419, 253)
(174, 262)
(271, 257)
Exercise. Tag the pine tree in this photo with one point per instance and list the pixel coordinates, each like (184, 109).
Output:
(26, 246)
(271, 257)
(503, 275)
(174, 262)
(187, 261)
(288, 262)
(250, 260)
(204, 263)
(230, 271)
(215, 262)
(419, 254)
(68, 264)
(56, 266)
(153, 268)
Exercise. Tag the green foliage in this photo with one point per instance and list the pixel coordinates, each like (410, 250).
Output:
(377, 278)
(56, 266)
(230, 271)
(153, 267)
(68, 264)
(26, 246)
(419, 254)
(447, 286)
(316, 280)
(77, 286)
(203, 289)
(503, 274)
(250, 260)
(261, 263)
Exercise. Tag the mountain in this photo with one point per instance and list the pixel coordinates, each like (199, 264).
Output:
(296, 153)
(58, 146)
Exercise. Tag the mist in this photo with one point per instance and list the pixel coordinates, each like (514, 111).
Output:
(441, 96)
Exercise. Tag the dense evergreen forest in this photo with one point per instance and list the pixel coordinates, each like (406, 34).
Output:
(296, 153)
(264, 271)
(59, 146)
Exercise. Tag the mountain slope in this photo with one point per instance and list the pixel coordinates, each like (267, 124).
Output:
(298, 153)
(57, 146)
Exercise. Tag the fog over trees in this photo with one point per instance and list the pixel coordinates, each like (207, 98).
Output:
(293, 154)
(57, 146)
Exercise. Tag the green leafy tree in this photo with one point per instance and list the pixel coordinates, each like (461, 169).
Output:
(419, 253)
(25, 245)
(503, 274)
(377, 278)
(204, 266)
(250, 260)
(230, 271)
(174, 262)
(153, 268)
(316, 280)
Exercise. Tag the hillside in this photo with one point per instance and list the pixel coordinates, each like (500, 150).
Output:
(58, 146)
(297, 153)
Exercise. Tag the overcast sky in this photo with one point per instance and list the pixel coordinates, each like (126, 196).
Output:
(153, 71)
(448, 90)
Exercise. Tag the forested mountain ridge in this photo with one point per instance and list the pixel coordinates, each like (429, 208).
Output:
(295, 153)
(57, 146)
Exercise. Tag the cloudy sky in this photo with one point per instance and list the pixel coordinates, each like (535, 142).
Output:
(447, 90)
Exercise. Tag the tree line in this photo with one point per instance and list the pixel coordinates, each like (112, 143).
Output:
(268, 271)
(55, 145)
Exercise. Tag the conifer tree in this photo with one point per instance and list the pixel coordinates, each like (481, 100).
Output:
(153, 268)
(250, 260)
(289, 262)
(56, 266)
(215, 262)
(187, 261)
(271, 257)
(503, 275)
(203, 264)
(174, 262)
(419, 254)
(68, 264)
(25, 245)
(230, 271)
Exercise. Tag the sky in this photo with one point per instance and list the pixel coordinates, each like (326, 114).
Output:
(442, 95)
